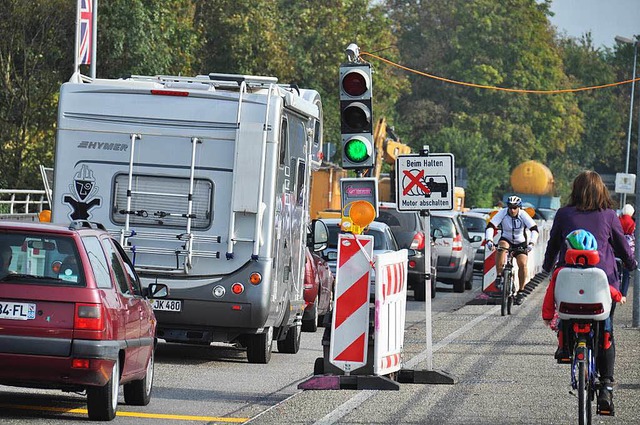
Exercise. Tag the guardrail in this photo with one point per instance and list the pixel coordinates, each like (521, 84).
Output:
(22, 204)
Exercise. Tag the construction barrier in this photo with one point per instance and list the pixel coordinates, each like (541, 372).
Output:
(350, 324)
(390, 309)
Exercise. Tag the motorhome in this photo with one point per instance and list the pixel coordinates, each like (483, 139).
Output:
(206, 182)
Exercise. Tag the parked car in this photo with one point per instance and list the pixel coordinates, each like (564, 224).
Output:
(383, 241)
(408, 229)
(545, 214)
(455, 252)
(475, 223)
(318, 291)
(74, 316)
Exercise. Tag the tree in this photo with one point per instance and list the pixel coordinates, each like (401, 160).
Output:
(35, 57)
(147, 37)
(502, 44)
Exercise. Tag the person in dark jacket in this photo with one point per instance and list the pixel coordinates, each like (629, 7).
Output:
(590, 208)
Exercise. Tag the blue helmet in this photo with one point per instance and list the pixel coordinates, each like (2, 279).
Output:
(582, 240)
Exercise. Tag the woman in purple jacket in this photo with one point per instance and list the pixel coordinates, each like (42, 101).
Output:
(589, 208)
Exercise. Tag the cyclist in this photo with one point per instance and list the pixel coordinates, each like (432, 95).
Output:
(513, 221)
(578, 242)
(589, 208)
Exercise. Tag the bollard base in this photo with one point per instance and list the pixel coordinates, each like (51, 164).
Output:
(409, 376)
(350, 382)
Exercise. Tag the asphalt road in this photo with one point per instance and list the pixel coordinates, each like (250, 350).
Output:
(503, 367)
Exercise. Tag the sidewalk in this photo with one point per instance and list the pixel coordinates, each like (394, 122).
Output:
(507, 374)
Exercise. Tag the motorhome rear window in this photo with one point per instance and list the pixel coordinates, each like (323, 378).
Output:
(163, 201)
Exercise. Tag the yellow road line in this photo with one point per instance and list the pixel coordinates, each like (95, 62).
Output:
(130, 414)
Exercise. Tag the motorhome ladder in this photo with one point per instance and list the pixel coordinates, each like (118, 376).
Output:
(127, 233)
(243, 199)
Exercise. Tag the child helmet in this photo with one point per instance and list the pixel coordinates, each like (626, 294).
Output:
(514, 201)
(581, 239)
(582, 249)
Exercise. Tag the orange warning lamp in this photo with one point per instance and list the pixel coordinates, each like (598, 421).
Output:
(45, 216)
(361, 214)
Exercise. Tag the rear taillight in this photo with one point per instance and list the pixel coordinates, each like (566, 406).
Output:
(88, 317)
(418, 241)
(457, 243)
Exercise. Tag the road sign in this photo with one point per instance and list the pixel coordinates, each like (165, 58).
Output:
(424, 182)
(625, 183)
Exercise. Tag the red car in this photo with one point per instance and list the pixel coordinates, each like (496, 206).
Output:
(73, 315)
(318, 291)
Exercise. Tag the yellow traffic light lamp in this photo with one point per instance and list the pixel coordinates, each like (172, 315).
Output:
(360, 215)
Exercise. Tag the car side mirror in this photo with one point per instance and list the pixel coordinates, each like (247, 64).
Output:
(437, 234)
(319, 236)
(157, 290)
(476, 238)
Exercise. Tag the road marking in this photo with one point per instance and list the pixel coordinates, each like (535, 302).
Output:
(129, 414)
(355, 401)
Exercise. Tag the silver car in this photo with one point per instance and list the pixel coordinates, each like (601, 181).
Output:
(455, 252)
(383, 241)
(476, 223)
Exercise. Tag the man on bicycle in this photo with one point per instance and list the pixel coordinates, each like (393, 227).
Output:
(513, 220)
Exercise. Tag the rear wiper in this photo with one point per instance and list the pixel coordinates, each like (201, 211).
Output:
(23, 276)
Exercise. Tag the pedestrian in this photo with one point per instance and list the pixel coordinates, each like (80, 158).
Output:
(590, 208)
(628, 227)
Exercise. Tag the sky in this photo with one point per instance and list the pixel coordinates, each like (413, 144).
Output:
(604, 18)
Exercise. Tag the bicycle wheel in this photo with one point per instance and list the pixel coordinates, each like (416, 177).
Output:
(512, 291)
(584, 399)
(506, 279)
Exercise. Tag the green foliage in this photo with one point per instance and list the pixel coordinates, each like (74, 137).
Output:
(146, 37)
(505, 44)
(35, 55)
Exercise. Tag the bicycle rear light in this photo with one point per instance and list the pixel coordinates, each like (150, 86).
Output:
(582, 328)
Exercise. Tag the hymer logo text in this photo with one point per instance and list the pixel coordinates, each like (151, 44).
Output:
(103, 146)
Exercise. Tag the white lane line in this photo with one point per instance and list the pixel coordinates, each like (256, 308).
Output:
(347, 407)
(355, 401)
(450, 338)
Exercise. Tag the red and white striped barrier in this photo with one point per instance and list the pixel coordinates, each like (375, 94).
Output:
(490, 272)
(350, 325)
(391, 301)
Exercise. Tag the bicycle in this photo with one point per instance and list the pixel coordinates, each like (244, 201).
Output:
(584, 303)
(508, 279)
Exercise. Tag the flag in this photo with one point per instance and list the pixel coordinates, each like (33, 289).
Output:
(85, 29)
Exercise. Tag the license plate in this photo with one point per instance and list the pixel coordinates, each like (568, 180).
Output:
(167, 305)
(17, 311)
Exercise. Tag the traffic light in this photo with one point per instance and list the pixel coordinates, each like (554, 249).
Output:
(355, 116)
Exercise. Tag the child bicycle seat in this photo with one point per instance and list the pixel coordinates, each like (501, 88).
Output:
(582, 290)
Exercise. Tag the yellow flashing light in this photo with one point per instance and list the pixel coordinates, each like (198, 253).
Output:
(361, 214)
